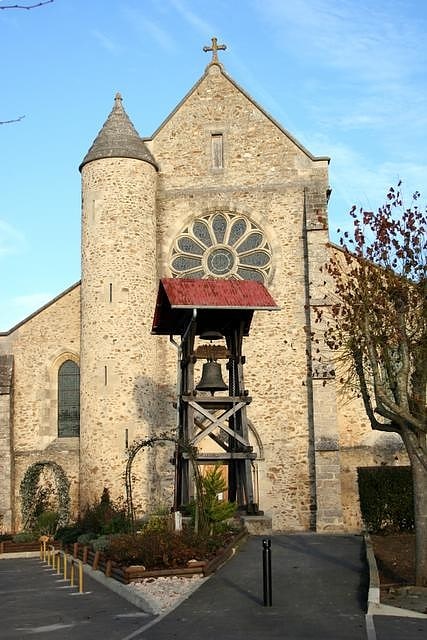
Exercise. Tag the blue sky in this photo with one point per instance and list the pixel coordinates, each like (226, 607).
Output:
(348, 78)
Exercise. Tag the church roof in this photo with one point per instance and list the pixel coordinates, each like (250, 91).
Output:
(223, 300)
(213, 293)
(118, 138)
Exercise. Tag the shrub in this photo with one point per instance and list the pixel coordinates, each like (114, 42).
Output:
(86, 538)
(386, 498)
(213, 512)
(102, 543)
(160, 549)
(46, 523)
(68, 535)
(104, 516)
(25, 536)
(6, 536)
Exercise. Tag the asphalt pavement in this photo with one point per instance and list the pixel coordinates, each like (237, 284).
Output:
(36, 603)
(319, 591)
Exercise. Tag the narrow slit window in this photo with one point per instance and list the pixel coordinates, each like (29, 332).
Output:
(111, 292)
(217, 141)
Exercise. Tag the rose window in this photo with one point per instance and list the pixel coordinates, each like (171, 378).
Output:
(221, 245)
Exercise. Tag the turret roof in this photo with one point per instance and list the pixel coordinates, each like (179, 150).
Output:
(118, 138)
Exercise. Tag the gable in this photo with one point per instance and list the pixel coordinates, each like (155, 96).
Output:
(256, 148)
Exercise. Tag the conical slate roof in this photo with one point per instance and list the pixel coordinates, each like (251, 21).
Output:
(118, 138)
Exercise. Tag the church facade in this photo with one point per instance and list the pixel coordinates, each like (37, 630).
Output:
(219, 191)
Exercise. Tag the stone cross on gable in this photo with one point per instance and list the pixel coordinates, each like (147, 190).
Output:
(215, 48)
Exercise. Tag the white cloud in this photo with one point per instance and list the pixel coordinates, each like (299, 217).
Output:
(140, 23)
(373, 39)
(105, 41)
(16, 309)
(11, 240)
(193, 19)
(356, 180)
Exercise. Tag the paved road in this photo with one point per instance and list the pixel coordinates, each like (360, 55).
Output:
(34, 603)
(319, 590)
(320, 587)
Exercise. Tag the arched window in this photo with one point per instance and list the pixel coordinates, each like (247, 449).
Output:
(68, 400)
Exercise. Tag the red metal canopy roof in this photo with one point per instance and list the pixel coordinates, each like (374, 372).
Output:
(176, 295)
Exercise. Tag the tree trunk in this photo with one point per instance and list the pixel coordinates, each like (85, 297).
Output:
(419, 480)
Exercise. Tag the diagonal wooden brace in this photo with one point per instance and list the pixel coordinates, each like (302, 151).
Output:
(217, 422)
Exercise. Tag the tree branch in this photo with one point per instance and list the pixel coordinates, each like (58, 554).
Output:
(11, 121)
(375, 424)
(29, 6)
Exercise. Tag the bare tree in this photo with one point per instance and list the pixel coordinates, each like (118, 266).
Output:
(22, 6)
(25, 6)
(379, 327)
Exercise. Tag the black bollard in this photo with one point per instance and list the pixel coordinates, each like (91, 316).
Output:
(266, 572)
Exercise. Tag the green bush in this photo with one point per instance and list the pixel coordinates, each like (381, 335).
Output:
(69, 534)
(5, 536)
(386, 498)
(102, 543)
(104, 516)
(25, 536)
(86, 538)
(163, 549)
(214, 512)
(46, 523)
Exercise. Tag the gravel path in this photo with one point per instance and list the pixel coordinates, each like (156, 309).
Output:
(165, 593)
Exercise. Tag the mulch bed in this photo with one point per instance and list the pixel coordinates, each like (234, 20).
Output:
(122, 574)
(395, 556)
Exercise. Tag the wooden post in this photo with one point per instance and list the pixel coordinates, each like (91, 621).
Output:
(108, 568)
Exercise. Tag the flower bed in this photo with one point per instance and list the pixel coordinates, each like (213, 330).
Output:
(126, 574)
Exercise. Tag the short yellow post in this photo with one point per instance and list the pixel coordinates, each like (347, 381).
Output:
(65, 565)
(72, 572)
(43, 541)
(58, 562)
(80, 563)
(80, 576)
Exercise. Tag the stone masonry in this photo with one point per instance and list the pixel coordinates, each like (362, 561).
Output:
(218, 151)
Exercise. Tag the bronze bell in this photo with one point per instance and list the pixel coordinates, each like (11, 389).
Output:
(211, 379)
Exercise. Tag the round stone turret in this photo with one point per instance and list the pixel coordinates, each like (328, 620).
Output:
(119, 281)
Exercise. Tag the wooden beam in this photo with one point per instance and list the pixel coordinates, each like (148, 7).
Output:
(216, 422)
(217, 457)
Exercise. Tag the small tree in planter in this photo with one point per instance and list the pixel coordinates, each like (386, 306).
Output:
(216, 511)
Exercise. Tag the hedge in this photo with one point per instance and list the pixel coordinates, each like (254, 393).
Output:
(386, 498)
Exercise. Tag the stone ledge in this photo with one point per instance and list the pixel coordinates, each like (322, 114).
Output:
(258, 525)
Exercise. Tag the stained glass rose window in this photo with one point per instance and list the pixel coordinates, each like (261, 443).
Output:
(221, 245)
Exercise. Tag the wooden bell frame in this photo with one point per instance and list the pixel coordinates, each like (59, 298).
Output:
(220, 419)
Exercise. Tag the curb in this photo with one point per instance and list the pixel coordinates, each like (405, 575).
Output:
(19, 554)
(375, 608)
(138, 600)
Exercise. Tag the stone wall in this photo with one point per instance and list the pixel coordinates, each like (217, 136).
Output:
(6, 459)
(264, 177)
(309, 441)
(39, 346)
